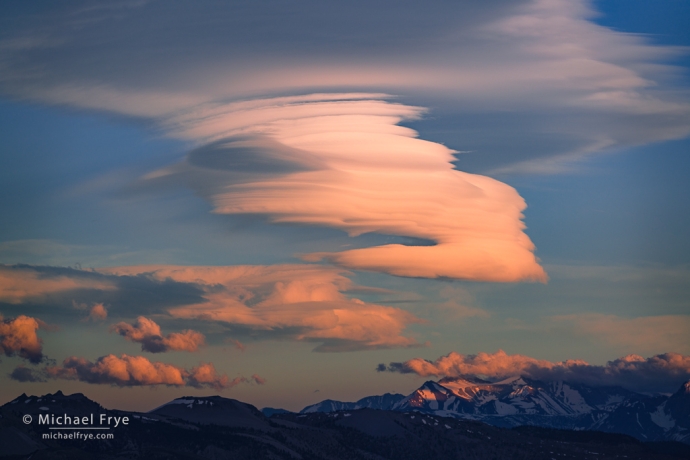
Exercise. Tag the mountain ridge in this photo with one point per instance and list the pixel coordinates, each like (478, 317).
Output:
(214, 427)
(519, 400)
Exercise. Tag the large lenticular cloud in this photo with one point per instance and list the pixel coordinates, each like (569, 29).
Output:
(662, 372)
(343, 161)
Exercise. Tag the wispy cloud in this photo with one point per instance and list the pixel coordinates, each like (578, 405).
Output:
(663, 372)
(596, 88)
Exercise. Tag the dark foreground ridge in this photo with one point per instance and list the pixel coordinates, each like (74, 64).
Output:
(219, 428)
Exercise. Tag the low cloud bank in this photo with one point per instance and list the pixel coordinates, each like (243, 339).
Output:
(127, 371)
(659, 373)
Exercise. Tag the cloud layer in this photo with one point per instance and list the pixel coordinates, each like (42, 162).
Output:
(664, 372)
(23, 283)
(305, 302)
(148, 333)
(342, 161)
(287, 302)
(18, 336)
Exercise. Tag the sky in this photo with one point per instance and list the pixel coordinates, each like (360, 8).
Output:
(287, 202)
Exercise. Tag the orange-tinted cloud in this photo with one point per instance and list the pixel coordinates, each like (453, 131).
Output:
(205, 375)
(306, 300)
(19, 284)
(18, 336)
(347, 164)
(127, 370)
(98, 313)
(662, 372)
(148, 333)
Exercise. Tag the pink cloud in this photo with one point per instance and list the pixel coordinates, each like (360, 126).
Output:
(98, 313)
(663, 372)
(148, 333)
(357, 170)
(127, 370)
(205, 375)
(18, 336)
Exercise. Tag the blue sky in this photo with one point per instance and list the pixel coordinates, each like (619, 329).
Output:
(106, 109)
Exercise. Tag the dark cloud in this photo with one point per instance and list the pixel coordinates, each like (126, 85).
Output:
(24, 374)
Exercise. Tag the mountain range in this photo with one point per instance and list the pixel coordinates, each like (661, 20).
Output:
(519, 401)
(448, 419)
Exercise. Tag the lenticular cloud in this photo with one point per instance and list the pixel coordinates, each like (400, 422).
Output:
(343, 161)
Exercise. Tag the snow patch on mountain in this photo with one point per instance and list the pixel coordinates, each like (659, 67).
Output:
(663, 419)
